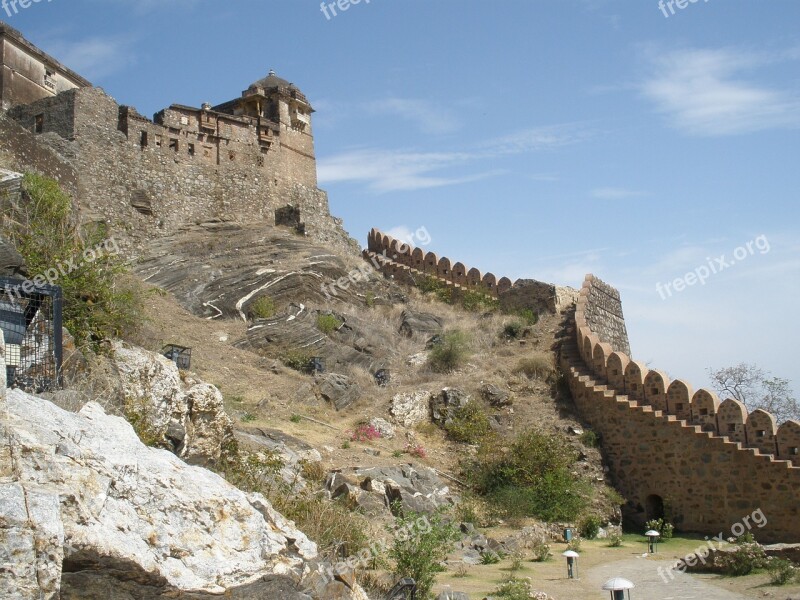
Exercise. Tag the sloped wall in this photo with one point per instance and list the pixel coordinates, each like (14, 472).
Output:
(709, 461)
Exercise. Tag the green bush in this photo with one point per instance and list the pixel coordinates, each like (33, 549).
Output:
(83, 262)
(615, 539)
(782, 571)
(327, 324)
(418, 552)
(513, 330)
(531, 478)
(450, 353)
(298, 360)
(748, 556)
(590, 438)
(575, 544)
(478, 301)
(436, 287)
(490, 557)
(263, 308)
(541, 551)
(468, 423)
(590, 527)
(539, 366)
(513, 589)
(662, 526)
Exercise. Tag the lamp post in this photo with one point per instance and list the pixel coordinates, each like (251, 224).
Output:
(572, 563)
(652, 540)
(617, 587)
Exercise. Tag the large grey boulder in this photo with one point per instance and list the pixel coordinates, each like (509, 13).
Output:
(11, 262)
(87, 504)
(339, 390)
(426, 324)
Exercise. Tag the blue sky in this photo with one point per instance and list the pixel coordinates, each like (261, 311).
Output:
(541, 139)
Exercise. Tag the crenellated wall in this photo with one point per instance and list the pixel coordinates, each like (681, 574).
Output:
(406, 264)
(709, 460)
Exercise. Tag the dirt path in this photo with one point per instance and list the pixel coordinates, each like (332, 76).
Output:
(650, 585)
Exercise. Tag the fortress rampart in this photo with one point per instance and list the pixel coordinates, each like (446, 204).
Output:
(407, 264)
(707, 463)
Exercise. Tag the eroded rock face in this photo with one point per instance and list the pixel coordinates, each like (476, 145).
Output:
(189, 418)
(445, 404)
(121, 517)
(410, 408)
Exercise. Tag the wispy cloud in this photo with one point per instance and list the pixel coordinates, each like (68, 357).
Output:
(395, 170)
(426, 115)
(616, 193)
(716, 92)
(96, 57)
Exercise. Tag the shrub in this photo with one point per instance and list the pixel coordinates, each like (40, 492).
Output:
(298, 360)
(263, 308)
(416, 450)
(327, 324)
(575, 544)
(450, 353)
(532, 477)
(468, 423)
(490, 557)
(590, 527)
(365, 433)
(590, 438)
(420, 551)
(748, 556)
(295, 418)
(615, 539)
(781, 571)
(436, 287)
(665, 528)
(539, 366)
(541, 551)
(513, 330)
(478, 301)
(527, 315)
(45, 233)
(514, 589)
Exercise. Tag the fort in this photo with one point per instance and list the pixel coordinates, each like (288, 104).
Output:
(701, 461)
(249, 158)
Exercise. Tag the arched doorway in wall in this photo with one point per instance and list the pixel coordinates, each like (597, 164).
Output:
(654, 507)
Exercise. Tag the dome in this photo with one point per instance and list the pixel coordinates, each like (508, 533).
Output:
(271, 81)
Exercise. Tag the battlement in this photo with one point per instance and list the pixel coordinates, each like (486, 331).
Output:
(408, 264)
(709, 461)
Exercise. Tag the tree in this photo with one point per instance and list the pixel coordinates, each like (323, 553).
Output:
(756, 388)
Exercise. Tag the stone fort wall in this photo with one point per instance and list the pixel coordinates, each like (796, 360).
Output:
(148, 179)
(710, 462)
(407, 264)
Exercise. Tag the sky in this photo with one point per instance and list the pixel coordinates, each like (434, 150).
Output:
(654, 146)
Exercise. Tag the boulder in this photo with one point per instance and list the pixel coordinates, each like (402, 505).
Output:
(383, 426)
(339, 390)
(445, 403)
(91, 512)
(190, 420)
(421, 323)
(410, 408)
(496, 396)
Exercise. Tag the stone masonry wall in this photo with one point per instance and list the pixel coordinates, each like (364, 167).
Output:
(709, 461)
(147, 180)
(604, 314)
(407, 264)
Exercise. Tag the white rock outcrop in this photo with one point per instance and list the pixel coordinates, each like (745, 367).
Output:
(82, 489)
(190, 417)
(410, 408)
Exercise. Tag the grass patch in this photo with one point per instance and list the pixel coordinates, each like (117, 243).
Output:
(468, 424)
(327, 324)
(263, 308)
(537, 366)
(450, 353)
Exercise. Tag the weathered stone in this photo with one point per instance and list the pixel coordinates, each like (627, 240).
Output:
(383, 426)
(339, 390)
(419, 323)
(410, 408)
(496, 396)
(129, 517)
(445, 403)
